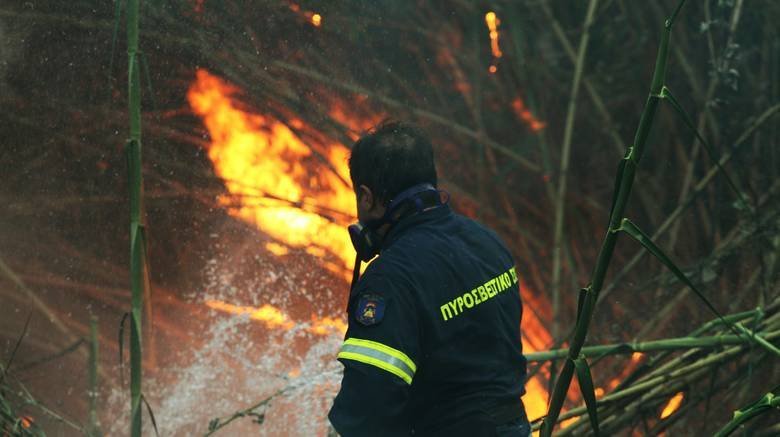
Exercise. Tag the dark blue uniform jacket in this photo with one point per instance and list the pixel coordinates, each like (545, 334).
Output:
(433, 344)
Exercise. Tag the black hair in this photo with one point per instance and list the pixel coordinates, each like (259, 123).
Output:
(390, 158)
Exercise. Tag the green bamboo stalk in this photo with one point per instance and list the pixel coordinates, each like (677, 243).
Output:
(649, 346)
(698, 188)
(759, 340)
(770, 323)
(137, 234)
(768, 402)
(624, 182)
(93, 428)
(696, 366)
(655, 360)
(564, 170)
(657, 385)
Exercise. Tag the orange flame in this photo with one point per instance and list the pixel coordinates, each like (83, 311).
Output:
(535, 398)
(279, 182)
(526, 116)
(492, 22)
(26, 421)
(535, 338)
(275, 318)
(672, 406)
(277, 249)
(313, 17)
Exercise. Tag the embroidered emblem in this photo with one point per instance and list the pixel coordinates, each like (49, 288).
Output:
(370, 309)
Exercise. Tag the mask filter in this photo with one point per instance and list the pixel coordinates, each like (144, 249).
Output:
(364, 240)
(364, 236)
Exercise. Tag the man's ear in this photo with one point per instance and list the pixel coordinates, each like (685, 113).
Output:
(365, 198)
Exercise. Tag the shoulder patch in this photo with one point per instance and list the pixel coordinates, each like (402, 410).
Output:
(370, 309)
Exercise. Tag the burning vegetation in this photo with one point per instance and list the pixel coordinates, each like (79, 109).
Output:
(298, 196)
(248, 115)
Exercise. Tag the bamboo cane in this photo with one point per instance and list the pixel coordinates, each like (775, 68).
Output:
(768, 402)
(646, 346)
(666, 379)
(564, 169)
(93, 427)
(698, 189)
(624, 182)
(137, 237)
(651, 383)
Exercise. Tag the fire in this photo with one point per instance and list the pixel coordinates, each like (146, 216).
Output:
(327, 325)
(267, 314)
(492, 22)
(297, 194)
(313, 17)
(26, 421)
(277, 319)
(535, 338)
(672, 406)
(277, 249)
(347, 115)
(526, 116)
(535, 399)
(275, 180)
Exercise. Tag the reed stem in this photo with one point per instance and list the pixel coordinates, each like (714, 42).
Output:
(698, 365)
(769, 402)
(624, 182)
(137, 234)
(647, 346)
(93, 427)
(564, 169)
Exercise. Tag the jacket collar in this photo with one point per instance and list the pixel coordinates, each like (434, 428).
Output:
(414, 220)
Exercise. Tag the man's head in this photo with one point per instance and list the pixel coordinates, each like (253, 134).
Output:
(389, 159)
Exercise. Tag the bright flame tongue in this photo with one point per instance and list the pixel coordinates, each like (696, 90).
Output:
(275, 176)
(274, 318)
(672, 406)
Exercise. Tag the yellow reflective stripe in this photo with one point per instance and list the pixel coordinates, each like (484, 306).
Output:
(378, 363)
(382, 348)
(379, 355)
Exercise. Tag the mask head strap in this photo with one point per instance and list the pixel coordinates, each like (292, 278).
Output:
(403, 197)
(364, 236)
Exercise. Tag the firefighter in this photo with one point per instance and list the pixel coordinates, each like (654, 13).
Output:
(433, 343)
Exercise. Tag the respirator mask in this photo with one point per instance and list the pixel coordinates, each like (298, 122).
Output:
(365, 236)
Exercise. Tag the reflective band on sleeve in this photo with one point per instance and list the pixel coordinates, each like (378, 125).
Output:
(379, 355)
